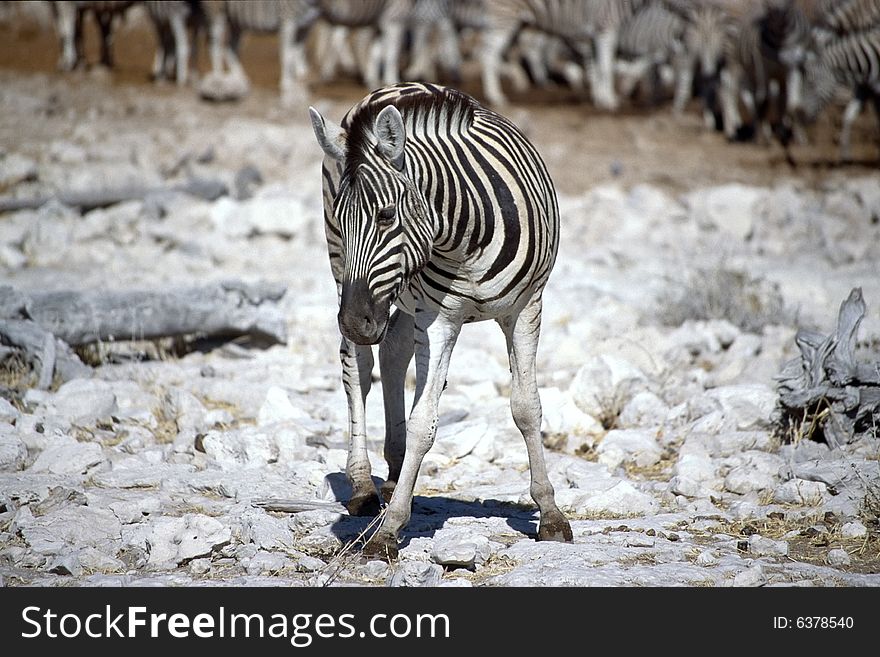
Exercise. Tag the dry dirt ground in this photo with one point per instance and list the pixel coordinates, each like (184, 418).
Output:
(686, 266)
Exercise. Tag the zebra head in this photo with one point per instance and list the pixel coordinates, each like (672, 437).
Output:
(383, 221)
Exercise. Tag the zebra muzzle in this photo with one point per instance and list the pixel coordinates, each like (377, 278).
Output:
(361, 319)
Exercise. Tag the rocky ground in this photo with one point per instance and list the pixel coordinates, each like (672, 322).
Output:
(683, 275)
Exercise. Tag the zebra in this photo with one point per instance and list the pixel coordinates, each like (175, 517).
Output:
(441, 207)
(69, 16)
(291, 19)
(652, 38)
(842, 17)
(851, 61)
(709, 33)
(174, 52)
(763, 67)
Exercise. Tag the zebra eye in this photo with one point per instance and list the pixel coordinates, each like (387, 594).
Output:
(385, 217)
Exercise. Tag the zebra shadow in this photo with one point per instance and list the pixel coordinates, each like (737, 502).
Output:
(431, 513)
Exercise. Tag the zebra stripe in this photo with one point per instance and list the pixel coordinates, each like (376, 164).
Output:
(449, 135)
(444, 208)
(845, 16)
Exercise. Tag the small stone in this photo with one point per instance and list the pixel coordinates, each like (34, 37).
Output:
(838, 557)
(707, 558)
(639, 540)
(761, 546)
(754, 576)
(66, 564)
(199, 566)
(68, 458)
(13, 452)
(801, 492)
(416, 573)
(459, 548)
(278, 408)
(636, 446)
(853, 529)
(82, 401)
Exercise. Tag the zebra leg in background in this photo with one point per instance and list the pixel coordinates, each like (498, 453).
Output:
(684, 82)
(494, 41)
(391, 38)
(181, 47)
(729, 109)
(105, 24)
(357, 370)
(287, 57)
(395, 353)
(435, 337)
(603, 90)
(421, 66)
(522, 333)
(217, 39)
(534, 46)
(850, 114)
(66, 25)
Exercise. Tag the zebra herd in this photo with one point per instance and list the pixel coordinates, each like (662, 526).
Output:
(758, 68)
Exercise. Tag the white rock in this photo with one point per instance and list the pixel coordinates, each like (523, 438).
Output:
(645, 409)
(745, 479)
(853, 529)
(68, 458)
(186, 409)
(562, 416)
(838, 557)
(461, 438)
(265, 531)
(416, 573)
(639, 540)
(81, 401)
(8, 412)
(637, 446)
(171, 540)
(622, 499)
(69, 527)
(66, 564)
(266, 562)
(13, 452)
(746, 406)
(801, 492)
(696, 466)
(707, 558)
(278, 408)
(762, 546)
(730, 208)
(604, 385)
(256, 446)
(459, 547)
(753, 576)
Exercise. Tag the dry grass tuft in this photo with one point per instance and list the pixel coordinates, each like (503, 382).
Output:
(721, 293)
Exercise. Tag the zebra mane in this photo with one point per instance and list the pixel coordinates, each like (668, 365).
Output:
(424, 108)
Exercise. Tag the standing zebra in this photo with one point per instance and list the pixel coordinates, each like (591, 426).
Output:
(851, 61)
(229, 19)
(441, 207)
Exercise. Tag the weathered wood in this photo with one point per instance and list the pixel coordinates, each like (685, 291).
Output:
(297, 506)
(827, 384)
(42, 348)
(205, 188)
(229, 308)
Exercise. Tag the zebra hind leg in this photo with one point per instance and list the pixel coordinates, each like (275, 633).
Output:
(522, 333)
(357, 368)
(395, 353)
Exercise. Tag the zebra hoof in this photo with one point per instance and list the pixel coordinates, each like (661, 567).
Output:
(363, 505)
(387, 490)
(555, 528)
(382, 547)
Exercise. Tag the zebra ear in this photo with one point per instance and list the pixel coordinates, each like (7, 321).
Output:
(392, 135)
(330, 136)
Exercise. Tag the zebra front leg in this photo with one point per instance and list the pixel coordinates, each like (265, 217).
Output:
(850, 114)
(434, 339)
(395, 353)
(522, 333)
(181, 48)
(357, 368)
